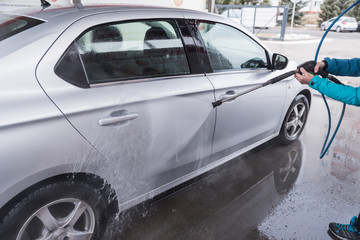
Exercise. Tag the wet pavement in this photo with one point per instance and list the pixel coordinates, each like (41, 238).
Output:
(272, 192)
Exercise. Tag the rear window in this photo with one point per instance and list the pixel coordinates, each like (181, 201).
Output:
(11, 25)
(350, 20)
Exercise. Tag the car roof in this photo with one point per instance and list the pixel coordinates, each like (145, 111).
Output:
(341, 17)
(71, 12)
(58, 18)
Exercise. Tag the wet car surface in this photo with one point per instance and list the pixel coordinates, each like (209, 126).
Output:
(116, 105)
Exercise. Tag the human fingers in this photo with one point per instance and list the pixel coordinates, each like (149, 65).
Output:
(319, 66)
(303, 76)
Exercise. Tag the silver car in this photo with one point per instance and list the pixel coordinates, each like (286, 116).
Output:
(105, 107)
(343, 24)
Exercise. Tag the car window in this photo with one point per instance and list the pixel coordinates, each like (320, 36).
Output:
(230, 49)
(13, 24)
(70, 68)
(351, 20)
(130, 50)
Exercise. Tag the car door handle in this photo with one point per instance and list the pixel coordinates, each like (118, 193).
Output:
(228, 94)
(117, 119)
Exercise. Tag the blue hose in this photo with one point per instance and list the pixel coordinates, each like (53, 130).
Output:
(327, 145)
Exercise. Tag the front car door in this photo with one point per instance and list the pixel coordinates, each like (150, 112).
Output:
(126, 85)
(239, 63)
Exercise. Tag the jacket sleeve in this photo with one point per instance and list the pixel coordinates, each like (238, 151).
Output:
(343, 67)
(342, 93)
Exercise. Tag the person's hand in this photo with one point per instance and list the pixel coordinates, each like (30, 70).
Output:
(319, 66)
(305, 77)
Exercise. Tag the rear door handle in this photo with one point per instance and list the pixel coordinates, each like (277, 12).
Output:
(117, 119)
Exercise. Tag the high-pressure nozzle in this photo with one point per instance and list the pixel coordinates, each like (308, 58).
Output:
(309, 66)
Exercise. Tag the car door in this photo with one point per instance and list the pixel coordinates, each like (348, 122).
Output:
(127, 86)
(329, 22)
(239, 63)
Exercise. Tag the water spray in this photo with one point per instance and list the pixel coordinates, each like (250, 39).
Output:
(309, 67)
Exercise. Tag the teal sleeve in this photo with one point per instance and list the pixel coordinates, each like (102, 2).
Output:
(342, 93)
(343, 67)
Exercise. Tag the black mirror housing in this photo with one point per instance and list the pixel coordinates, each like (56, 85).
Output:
(279, 61)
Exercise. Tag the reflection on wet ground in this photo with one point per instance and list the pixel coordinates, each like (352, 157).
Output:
(327, 189)
(230, 201)
(272, 192)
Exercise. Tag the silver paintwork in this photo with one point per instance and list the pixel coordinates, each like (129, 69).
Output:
(165, 130)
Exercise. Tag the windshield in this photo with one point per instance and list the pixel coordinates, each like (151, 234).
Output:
(13, 24)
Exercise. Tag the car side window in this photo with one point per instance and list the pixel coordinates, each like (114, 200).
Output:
(131, 50)
(230, 49)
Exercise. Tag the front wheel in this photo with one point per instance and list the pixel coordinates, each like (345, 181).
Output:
(322, 27)
(66, 209)
(295, 120)
(338, 29)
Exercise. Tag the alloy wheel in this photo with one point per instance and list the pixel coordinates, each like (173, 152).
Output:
(64, 219)
(295, 121)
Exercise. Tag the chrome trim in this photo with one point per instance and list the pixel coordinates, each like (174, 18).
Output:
(96, 85)
(237, 72)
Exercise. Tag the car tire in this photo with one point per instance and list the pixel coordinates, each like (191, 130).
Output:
(295, 120)
(322, 27)
(338, 29)
(59, 210)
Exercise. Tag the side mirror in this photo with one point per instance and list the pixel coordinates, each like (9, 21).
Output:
(279, 61)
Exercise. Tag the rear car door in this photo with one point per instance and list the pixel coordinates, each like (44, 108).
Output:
(238, 63)
(126, 85)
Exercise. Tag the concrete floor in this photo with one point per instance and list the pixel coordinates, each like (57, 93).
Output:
(272, 192)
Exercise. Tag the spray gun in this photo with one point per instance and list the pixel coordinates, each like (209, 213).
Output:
(308, 66)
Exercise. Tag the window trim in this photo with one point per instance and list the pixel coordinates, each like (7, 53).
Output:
(173, 22)
(143, 80)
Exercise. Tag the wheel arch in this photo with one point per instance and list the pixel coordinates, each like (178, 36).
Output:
(94, 180)
(304, 93)
(307, 94)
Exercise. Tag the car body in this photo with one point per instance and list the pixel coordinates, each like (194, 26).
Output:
(105, 107)
(343, 24)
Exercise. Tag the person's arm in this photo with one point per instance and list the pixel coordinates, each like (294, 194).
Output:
(343, 67)
(342, 93)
